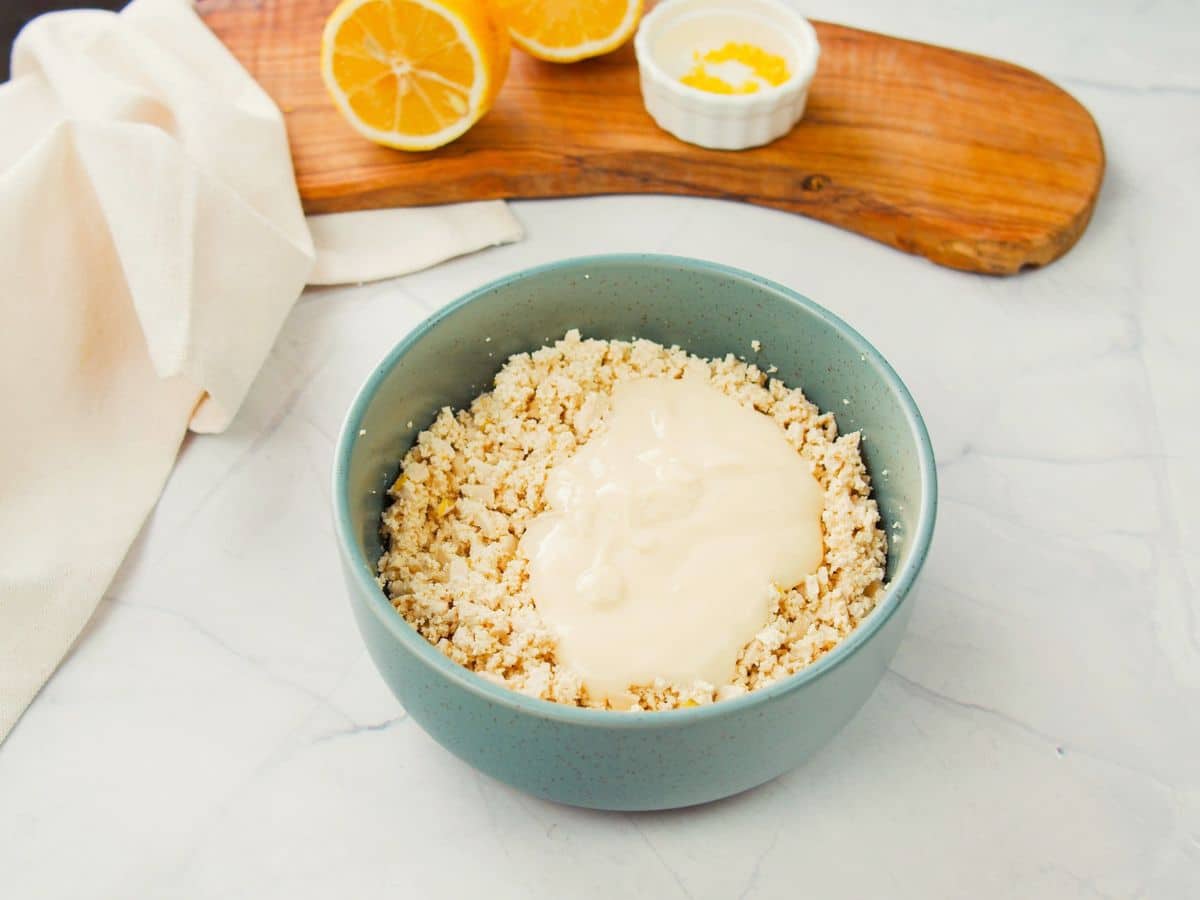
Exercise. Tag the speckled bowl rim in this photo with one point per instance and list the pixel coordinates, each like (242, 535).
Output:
(410, 640)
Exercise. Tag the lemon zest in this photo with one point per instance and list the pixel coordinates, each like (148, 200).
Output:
(770, 68)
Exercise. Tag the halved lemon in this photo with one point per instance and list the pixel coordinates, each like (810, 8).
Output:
(413, 74)
(570, 30)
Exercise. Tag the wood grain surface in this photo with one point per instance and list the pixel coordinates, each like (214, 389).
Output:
(974, 163)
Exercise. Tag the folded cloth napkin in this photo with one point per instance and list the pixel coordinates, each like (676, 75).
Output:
(152, 243)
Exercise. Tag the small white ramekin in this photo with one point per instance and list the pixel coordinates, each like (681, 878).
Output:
(665, 46)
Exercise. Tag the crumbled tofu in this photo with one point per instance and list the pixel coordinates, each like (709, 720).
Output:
(475, 478)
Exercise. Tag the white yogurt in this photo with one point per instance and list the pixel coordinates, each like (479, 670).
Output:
(668, 537)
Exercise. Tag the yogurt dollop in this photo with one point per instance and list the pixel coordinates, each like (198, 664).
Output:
(668, 536)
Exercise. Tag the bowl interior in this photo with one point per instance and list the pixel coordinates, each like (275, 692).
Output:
(680, 30)
(707, 309)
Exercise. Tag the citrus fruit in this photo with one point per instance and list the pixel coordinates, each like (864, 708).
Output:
(570, 30)
(413, 74)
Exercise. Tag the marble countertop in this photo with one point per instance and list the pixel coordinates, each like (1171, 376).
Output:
(220, 732)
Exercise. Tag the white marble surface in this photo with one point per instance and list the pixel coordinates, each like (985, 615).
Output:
(220, 732)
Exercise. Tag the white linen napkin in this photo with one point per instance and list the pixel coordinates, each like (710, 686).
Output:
(380, 243)
(151, 244)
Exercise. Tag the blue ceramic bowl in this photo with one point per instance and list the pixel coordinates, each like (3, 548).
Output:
(622, 760)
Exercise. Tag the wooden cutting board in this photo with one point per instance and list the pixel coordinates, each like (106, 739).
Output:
(974, 163)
